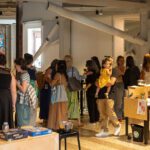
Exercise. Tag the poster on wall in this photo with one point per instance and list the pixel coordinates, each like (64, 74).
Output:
(2, 44)
(2, 39)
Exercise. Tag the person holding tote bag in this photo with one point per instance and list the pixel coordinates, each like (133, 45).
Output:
(58, 107)
(73, 101)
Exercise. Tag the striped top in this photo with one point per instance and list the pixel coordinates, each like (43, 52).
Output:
(20, 95)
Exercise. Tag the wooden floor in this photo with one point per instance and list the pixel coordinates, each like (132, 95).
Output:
(90, 142)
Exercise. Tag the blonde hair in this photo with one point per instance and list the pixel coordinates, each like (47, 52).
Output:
(68, 57)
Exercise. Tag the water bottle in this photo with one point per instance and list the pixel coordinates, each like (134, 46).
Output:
(5, 127)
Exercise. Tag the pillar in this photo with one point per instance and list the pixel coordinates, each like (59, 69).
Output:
(118, 43)
(64, 33)
(19, 29)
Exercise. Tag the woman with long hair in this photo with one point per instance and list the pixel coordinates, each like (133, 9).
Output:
(145, 73)
(132, 73)
(91, 77)
(58, 110)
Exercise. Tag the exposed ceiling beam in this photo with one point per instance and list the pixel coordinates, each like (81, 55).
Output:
(7, 4)
(94, 24)
(93, 8)
(107, 3)
(41, 1)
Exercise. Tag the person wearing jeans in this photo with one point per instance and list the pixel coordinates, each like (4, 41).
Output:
(106, 109)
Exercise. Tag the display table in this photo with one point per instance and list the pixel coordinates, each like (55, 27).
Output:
(132, 110)
(45, 142)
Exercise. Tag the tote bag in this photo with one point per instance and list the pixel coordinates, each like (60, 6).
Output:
(74, 84)
(58, 93)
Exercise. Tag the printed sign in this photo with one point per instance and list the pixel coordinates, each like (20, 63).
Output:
(141, 109)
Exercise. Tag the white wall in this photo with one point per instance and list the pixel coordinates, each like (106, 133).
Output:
(118, 43)
(87, 42)
(49, 55)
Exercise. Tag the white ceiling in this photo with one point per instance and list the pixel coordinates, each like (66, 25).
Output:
(108, 7)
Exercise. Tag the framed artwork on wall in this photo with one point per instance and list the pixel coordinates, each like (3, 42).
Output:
(2, 39)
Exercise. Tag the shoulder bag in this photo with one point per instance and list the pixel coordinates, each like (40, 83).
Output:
(74, 84)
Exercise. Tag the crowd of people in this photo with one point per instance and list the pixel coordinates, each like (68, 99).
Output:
(105, 91)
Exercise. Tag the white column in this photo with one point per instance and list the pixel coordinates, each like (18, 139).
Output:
(144, 33)
(118, 43)
(64, 37)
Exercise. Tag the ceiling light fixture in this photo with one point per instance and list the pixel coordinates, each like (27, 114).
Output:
(99, 12)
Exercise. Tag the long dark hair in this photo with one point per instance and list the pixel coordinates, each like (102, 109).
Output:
(62, 68)
(130, 62)
(95, 59)
(53, 67)
(146, 62)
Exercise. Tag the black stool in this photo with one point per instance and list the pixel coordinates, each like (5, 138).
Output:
(64, 135)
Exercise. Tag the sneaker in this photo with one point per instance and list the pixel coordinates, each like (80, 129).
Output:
(102, 134)
(117, 130)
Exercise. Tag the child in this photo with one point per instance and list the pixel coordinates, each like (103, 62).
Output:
(104, 78)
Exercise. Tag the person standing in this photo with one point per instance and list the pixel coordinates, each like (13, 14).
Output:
(119, 88)
(106, 108)
(31, 70)
(132, 73)
(7, 94)
(145, 73)
(91, 77)
(33, 81)
(23, 108)
(73, 101)
(58, 110)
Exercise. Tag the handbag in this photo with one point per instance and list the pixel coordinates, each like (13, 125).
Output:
(58, 93)
(74, 84)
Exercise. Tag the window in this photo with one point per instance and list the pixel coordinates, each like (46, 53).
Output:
(34, 43)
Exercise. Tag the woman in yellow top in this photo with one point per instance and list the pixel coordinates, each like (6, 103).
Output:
(104, 77)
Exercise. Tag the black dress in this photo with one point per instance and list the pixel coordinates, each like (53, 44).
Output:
(91, 100)
(6, 111)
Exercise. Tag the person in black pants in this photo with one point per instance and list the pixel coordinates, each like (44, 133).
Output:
(90, 91)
